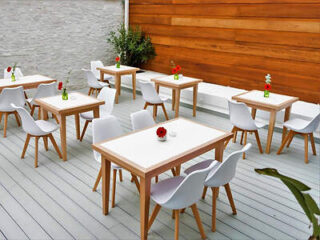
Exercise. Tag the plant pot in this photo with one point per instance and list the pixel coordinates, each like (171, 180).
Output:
(64, 94)
(162, 139)
(266, 93)
(13, 77)
(176, 76)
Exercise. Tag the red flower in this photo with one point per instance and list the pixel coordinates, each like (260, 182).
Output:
(174, 70)
(267, 86)
(161, 132)
(117, 59)
(178, 68)
(9, 69)
(60, 85)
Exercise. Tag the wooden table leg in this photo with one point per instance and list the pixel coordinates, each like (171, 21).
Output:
(253, 113)
(173, 98)
(272, 122)
(63, 137)
(157, 87)
(77, 122)
(134, 85)
(219, 157)
(286, 118)
(177, 102)
(44, 113)
(101, 76)
(117, 86)
(96, 112)
(145, 185)
(195, 94)
(106, 169)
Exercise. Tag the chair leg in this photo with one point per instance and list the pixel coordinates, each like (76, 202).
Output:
(36, 152)
(214, 207)
(120, 175)
(285, 140)
(235, 136)
(45, 142)
(164, 111)
(198, 220)
(5, 124)
(1, 116)
(32, 110)
(306, 148)
(176, 231)
(229, 194)
(26, 144)
(154, 215)
(84, 130)
(17, 118)
(39, 113)
(241, 140)
(205, 188)
(55, 117)
(89, 92)
(313, 144)
(258, 141)
(227, 142)
(114, 187)
(136, 181)
(55, 144)
(290, 139)
(244, 143)
(145, 105)
(97, 92)
(155, 107)
(156, 179)
(97, 181)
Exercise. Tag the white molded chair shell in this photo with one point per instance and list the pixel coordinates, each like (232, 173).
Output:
(303, 126)
(44, 90)
(94, 66)
(92, 80)
(149, 93)
(180, 192)
(17, 73)
(32, 127)
(241, 118)
(141, 119)
(9, 96)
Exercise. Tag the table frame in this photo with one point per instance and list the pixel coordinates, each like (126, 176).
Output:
(63, 113)
(273, 109)
(27, 85)
(146, 175)
(117, 79)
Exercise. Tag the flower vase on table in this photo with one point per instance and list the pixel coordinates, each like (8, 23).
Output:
(63, 86)
(12, 70)
(13, 77)
(162, 134)
(267, 86)
(64, 94)
(175, 70)
(117, 62)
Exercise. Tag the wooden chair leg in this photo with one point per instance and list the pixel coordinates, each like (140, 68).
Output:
(154, 215)
(32, 110)
(241, 140)
(120, 175)
(164, 111)
(36, 152)
(205, 188)
(229, 194)
(17, 118)
(1, 116)
(258, 141)
(285, 140)
(39, 113)
(244, 143)
(145, 105)
(290, 139)
(55, 117)
(97, 181)
(26, 144)
(214, 207)
(227, 142)
(156, 179)
(235, 136)
(55, 144)
(84, 130)
(89, 92)
(5, 124)
(114, 188)
(313, 144)
(198, 220)
(176, 231)
(45, 142)
(155, 111)
(97, 93)
(306, 148)
(136, 181)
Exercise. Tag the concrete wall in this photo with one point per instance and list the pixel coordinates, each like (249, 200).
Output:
(51, 37)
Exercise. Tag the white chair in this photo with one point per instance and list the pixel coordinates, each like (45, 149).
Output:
(141, 119)
(43, 90)
(221, 174)
(94, 66)
(152, 98)
(17, 73)
(93, 83)
(306, 129)
(104, 129)
(107, 95)
(179, 193)
(38, 129)
(8, 96)
(242, 120)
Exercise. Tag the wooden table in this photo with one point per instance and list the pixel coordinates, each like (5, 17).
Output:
(117, 73)
(273, 104)
(27, 82)
(151, 157)
(177, 85)
(76, 104)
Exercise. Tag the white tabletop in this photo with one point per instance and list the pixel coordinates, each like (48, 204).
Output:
(24, 80)
(144, 149)
(181, 81)
(273, 99)
(74, 100)
(115, 69)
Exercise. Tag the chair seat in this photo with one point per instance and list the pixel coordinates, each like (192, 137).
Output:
(162, 100)
(296, 124)
(106, 77)
(47, 126)
(201, 165)
(259, 124)
(162, 191)
(113, 166)
(89, 115)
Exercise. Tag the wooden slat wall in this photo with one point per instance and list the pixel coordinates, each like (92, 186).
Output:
(237, 42)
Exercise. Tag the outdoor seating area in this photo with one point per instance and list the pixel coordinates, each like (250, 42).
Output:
(142, 144)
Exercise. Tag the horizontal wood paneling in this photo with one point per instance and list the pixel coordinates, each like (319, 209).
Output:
(237, 42)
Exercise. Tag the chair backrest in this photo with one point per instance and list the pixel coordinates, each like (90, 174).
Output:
(189, 191)
(104, 129)
(45, 90)
(91, 78)
(17, 73)
(141, 119)
(94, 65)
(227, 169)
(149, 93)
(240, 116)
(313, 125)
(28, 123)
(107, 95)
(11, 95)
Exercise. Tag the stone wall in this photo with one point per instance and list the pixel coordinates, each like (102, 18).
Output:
(50, 37)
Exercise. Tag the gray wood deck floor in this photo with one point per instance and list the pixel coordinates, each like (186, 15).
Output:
(55, 201)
